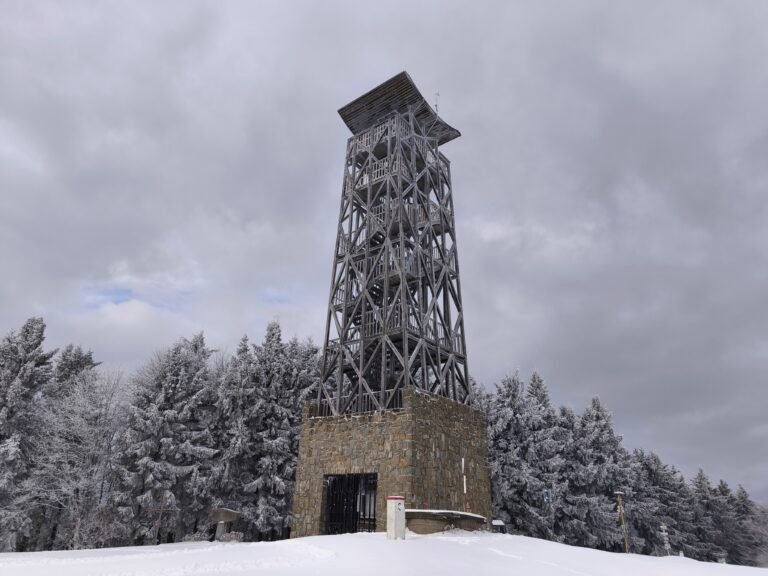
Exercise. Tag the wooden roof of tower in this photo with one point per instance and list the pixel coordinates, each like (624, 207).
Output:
(397, 94)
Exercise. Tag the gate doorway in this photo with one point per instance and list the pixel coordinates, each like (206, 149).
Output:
(350, 503)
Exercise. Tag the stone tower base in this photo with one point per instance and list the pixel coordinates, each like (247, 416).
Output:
(415, 451)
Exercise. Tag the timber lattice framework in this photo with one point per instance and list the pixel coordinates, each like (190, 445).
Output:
(395, 317)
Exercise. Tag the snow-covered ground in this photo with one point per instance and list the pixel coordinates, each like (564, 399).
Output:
(459, 553)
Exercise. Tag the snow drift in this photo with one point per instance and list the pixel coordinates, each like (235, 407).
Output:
(454, 553)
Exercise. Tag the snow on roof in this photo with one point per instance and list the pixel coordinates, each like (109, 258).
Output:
(498, 523)
(228, 510)
(444, 513)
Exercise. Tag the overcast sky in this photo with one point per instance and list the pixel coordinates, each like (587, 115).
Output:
(167, 168)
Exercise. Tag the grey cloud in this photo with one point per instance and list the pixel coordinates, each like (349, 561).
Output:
(177, 167)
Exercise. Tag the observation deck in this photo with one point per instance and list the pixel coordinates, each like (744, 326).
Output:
(398, 94)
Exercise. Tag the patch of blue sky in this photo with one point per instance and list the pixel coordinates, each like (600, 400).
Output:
(96, 296)
(275, 297)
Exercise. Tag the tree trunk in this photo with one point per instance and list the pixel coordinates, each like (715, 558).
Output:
(76, 535)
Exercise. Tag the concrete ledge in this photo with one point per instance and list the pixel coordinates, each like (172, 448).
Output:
(431, 521)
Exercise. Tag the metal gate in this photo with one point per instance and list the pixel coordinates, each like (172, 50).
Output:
(350, 503)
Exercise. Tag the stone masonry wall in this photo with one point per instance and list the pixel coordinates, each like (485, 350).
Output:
(380, 442)
(416, 453)
(446, 432)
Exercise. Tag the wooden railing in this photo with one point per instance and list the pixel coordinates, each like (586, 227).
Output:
(419, 215)
(378, 266)
(395, 125)
(426, 215)
(352, 242)
(353, 346)
(375, 324)
(366, 139)
(346, 294)
(376, 170)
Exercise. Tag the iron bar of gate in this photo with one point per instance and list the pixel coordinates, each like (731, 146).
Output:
(350, 503)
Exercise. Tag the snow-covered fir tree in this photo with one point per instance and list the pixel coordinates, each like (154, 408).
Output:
(261, 394)
(238, 437)
(554, 475)
(544, 444)
(660, 495)
(595, 471)
(70, 363)
(481, 399)
(724, 516)
(277, 464)
(642, 508)
(168, 447)
(566, 520)
(304, 358)
(304, 378)
(750, 539)
(703, 511)
(58, 397)
(510, 470)
(25, 369)
(722, 522)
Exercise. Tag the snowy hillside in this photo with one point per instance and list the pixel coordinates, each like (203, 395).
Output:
(459, 553)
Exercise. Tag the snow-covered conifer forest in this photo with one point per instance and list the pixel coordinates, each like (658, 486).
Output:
(93, 459)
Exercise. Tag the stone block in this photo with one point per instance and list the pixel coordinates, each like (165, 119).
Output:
(415, 451)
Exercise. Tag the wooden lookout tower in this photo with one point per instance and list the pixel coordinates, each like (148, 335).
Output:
(393, 406)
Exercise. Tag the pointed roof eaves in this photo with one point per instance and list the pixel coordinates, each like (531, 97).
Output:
(397, 94)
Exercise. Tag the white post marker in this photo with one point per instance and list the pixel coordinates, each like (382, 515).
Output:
(395, 518)
(464, 477)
